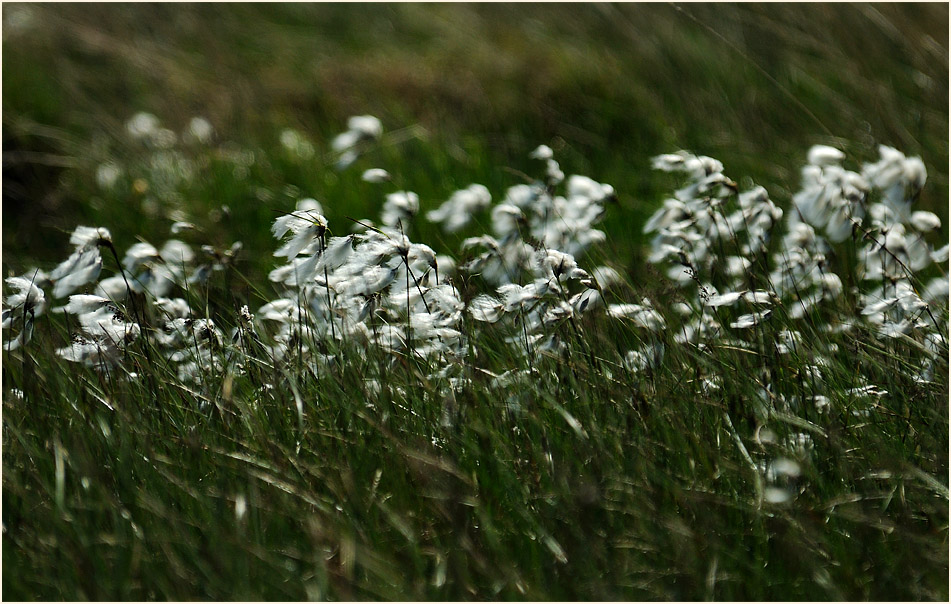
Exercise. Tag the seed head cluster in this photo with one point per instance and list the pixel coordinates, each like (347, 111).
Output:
(843, 258)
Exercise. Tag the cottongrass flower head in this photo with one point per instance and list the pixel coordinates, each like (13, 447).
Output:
(456, 213)
(22, 307)
(360, 130)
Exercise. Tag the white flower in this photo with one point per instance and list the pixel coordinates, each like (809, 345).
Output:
(399, 208)
(82, 267)
(28, 297)
(940, 255)
(366, 125)
(309, 204)
(457, 211)
(142, 125)
(176, 253)
(643, 315)
(761, 297)
(337, 252)
(553, 172)
(295, 143)
(697, 167)
(727, 299)
(346, 159)
(587, 300)
(746, 321)
(84, 237)
(867, 390)
(485, 308)
(200, 130)
(376, 175)
(823, 155)
(173, 308)
(305, 225)
(22, 307)
(359, 128)
(582, 186)
(515, 296)
(925, 221)
(650, 357)
(542, 152)
(105, 332)
(180, 226)
(82, 304)
(113, 288)
(138, 254)
(522, 196)
(900, 178)
(506, 220)
(554, 264)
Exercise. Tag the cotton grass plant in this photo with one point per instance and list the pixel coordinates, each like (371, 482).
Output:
(506, 417)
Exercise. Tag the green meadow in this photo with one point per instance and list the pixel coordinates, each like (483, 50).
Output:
(652, 383)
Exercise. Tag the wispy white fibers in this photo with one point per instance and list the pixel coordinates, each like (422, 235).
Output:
(399, 209)
(457, 211)
(105, 333)
(22, 307)
(360, 129)
(376, 175)
(305, 226)
(84, 264)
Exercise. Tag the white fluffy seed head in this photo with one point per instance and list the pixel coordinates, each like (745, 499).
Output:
(824, 155)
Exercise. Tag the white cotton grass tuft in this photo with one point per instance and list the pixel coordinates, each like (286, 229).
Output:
(925, 221)
(399, 209)
(142, 125)
(542, 152)
(81, 304)
(587, 301)
(727, 299)
(486, 308)
(22, 307)
(750, 320)
(84, 264)
(305, 226)
(88, 237)
(642, 315)
(199, 130)
(376, 176)
(824, 155)
(181, 227)
(360, 130)
(105, 332)
(456, 213)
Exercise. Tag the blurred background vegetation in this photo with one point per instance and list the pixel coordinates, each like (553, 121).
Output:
(480, 85)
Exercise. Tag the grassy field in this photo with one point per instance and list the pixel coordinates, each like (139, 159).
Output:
(535, 449)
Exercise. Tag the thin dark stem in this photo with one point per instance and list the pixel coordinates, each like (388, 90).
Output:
(139, 318)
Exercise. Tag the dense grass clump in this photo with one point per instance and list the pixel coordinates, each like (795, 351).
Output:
(291, 353)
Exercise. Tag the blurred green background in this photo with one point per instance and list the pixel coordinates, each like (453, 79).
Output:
(608, 86)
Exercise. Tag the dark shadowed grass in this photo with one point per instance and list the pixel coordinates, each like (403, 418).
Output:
(586, 481)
